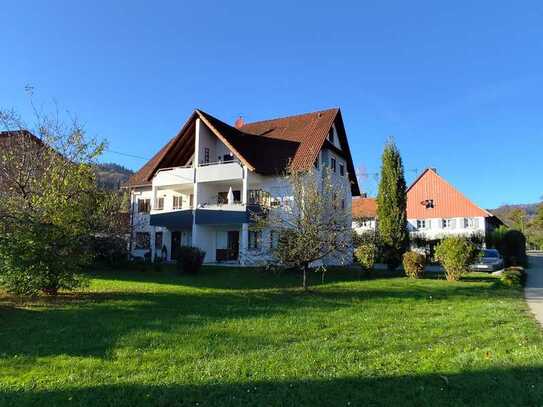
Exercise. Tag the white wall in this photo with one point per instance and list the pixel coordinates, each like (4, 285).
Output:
(434, 229)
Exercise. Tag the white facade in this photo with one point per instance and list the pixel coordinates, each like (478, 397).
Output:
(206, 201)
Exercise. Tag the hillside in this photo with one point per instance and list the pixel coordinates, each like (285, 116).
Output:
(111, 176)
(503, 212)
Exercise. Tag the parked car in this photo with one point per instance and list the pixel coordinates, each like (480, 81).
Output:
(489, 260)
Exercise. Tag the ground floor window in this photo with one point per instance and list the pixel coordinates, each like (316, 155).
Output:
(422, 224)
(448, 223)
(255, 239)
(143, 240)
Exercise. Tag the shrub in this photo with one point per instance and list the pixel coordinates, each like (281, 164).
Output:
(190, 259)
(513, 277)
(455, 253)
(514, 248)
(413, 264)
(365, 255)
(109, 250)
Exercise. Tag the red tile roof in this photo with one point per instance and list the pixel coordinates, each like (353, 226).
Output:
(265, 146)
(364, 208)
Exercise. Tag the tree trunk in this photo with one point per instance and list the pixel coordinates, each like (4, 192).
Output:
(304, 278)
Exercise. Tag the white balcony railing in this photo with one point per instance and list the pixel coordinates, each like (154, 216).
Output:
(174, 176)
(219, 172)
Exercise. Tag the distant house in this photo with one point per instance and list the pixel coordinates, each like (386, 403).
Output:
(435, 209)
(364, 214)
(201, 187)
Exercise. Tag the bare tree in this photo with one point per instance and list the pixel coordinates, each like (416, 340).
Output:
(313, 226)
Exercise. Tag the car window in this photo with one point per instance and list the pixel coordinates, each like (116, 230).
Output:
(491, 253)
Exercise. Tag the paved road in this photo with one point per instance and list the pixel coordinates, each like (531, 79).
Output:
(534, 286)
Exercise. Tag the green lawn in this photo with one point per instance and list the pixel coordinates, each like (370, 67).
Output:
(244, 337)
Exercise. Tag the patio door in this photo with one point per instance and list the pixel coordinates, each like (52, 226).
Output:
(176, 243)
(233, 244)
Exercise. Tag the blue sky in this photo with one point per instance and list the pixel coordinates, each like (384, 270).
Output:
(457, 84)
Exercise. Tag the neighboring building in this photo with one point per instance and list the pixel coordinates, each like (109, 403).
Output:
(435, 209)
(202, 186)
(364, 214)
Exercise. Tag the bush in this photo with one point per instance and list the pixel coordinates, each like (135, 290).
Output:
(365, 255)
(513, 277)
(413, 264)
(190, 259)
(455, 253)
(514, 248)
(109, 250)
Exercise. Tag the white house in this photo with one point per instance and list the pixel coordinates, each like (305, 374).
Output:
(435, 209)
(202, 186)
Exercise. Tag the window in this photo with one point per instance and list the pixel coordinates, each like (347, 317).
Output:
(177, 202)
(159, 204)
(144, 205)
(448, 223)
(341, 170)
(343, 204)
(206, 155)
(143, 240)
(255, 239)
(158, 241)
(366, 223)
(333, 164)
(428, 203)
(472, 223)
(331, 136)
(422, 224)
(191, 200)
(222, 197)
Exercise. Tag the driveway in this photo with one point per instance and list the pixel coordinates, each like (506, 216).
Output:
(534, 286)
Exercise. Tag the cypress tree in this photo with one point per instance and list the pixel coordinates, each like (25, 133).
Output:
(391, 206)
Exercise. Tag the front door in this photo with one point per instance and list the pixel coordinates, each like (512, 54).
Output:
(233, 244)
(176, 243)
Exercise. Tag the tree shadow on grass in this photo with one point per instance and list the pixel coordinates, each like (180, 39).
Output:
(91, 324)
(493, 387)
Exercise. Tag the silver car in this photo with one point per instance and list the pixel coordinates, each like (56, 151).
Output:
(488, 260)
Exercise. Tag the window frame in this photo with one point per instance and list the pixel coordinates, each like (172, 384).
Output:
(146, 241)
(179, 204)
(144, 205)
(333, 164)
(254, 240)
(342, 169)
(159, 203)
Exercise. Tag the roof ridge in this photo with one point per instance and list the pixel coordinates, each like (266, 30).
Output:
(291, 116)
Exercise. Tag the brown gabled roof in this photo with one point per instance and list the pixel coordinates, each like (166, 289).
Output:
(265, 147)
(364, 208)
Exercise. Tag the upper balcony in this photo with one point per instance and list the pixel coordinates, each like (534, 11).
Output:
(219, 171)
(174, 176)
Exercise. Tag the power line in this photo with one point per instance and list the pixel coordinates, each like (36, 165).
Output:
(126, 154)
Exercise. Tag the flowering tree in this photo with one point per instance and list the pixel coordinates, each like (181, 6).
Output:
(311, 226)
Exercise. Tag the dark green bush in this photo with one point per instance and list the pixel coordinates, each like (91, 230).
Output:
(109, 250)
(189, 259)
(513, 277)
(413, 264)
(514, 248)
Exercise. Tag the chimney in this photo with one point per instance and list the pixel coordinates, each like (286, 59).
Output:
(239, 122)
(434, 169)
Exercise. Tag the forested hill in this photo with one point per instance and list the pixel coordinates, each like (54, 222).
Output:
(111, 176)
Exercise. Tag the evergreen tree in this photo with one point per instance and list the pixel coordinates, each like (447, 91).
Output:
(391, 206)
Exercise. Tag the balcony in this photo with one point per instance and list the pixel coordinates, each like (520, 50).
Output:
(219, 171)
(174, 176)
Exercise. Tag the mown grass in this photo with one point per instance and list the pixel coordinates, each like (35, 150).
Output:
(245, 337)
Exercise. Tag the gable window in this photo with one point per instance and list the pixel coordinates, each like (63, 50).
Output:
(331, 136)
(144, 205)
(341, 170)
(448, 223)
(177, 202)
(255, 239)
(206, 155)
(333, 164)
(143, 241)
(428, 203)
(159, 204)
